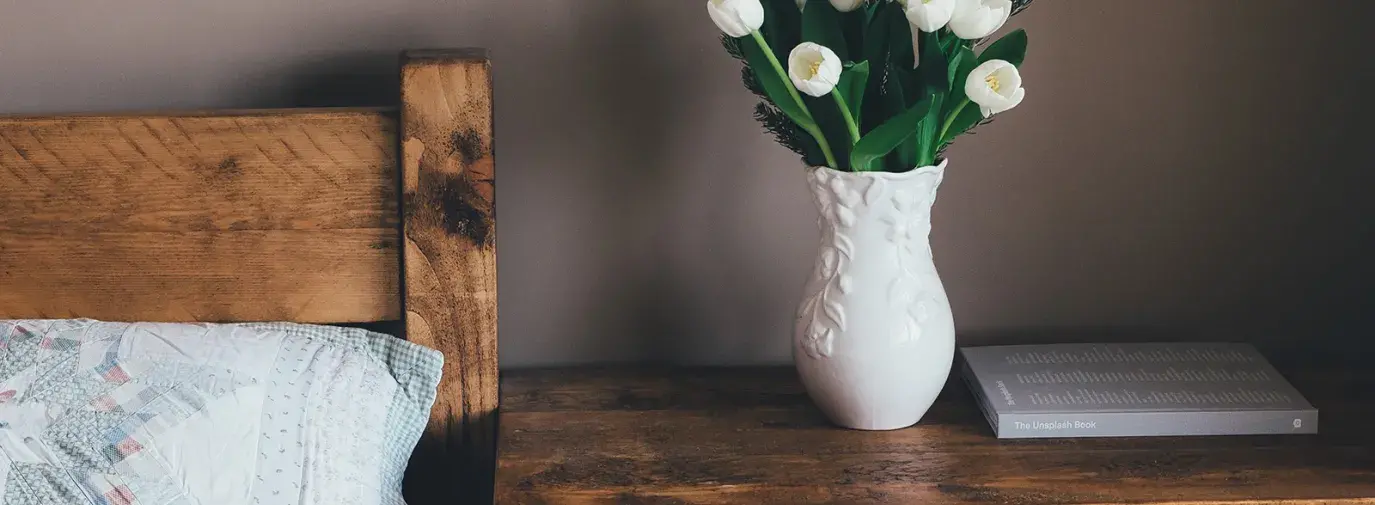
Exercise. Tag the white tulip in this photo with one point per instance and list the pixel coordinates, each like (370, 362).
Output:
(996, 86)
(801, 4)
(976, 19)
(847, 5)
(929, 15)
(736, 18)
(814, 69)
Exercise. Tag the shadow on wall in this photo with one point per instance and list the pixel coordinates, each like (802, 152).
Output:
(674, 275)
(1141, 186)
(612, 249)
(361, 79)
(627, 96)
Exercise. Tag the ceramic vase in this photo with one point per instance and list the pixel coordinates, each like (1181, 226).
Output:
(874, 337)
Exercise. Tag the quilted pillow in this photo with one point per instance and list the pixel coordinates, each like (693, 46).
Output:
(167, 414)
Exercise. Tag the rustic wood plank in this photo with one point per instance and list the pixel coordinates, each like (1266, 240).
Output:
(448, 187)
(781, 432)
(226, 216)
(1055, 477)
(749, 435)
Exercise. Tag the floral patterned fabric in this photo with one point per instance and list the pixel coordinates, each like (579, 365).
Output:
(168, 414)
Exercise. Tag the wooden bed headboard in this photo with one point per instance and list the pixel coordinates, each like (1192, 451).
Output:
(306, 215)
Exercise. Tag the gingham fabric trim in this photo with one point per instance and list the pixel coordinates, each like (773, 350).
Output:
(417, 368)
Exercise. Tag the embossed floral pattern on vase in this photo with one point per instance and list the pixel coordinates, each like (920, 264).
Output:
(873, 295)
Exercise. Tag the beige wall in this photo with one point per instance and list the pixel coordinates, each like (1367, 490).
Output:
(1186, 164)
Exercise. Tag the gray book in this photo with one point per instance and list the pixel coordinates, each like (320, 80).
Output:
(1129, 390)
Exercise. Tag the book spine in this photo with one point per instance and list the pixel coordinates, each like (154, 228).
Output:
(1148, 424)
(990, 413)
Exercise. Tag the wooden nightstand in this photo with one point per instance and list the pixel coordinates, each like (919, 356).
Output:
(742, 436)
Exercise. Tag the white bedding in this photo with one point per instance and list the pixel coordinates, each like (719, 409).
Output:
(169, 414)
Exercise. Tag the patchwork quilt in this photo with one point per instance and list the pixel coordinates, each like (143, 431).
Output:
(98, 413)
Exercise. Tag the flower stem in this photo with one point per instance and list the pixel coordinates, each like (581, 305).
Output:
(950, 121)
(778, 69)
(825, 146)
(849, 118)
(792, 91)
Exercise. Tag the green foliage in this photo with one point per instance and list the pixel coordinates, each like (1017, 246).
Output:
(904, 84)
(782, 26)
(887, 137)
(935, 82)
(774, 87)
(956, 63)
(906, 113)
(783, 30)
(935, 65)
(788, 134)
(963, 115)
(785, 131)
(879, 106)
(957, 108)
(853, 82)
(1011, 48)
(821, 24)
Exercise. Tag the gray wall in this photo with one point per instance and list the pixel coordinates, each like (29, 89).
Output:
(1185, 166)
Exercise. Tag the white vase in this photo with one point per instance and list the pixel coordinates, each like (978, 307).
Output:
(874, 337)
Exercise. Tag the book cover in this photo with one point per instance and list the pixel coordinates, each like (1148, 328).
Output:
(1120, 390)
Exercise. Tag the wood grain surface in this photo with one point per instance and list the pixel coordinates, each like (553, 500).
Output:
(448, 187)
(231, 216)
(750, 435)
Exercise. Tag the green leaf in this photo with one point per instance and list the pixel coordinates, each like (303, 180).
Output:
(854, 24)
(935, 70)
(888, 136)
(896, 100)
(876, 32)
(852, 84)
(900, 49)
(953, 69)
(902, 60)
(928, 132)
(872, 10)
(876, 110)
(1011, 48)
(782, 26)
(967, 62)
(949, 41)
(774, 86)
(821, 25)
(783, 7)
(968, 117)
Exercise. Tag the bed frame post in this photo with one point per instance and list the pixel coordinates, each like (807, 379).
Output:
(449, 264)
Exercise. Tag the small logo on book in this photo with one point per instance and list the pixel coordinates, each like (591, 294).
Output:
(1007, 395)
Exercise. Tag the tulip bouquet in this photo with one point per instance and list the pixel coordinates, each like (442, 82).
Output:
(874, 85)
